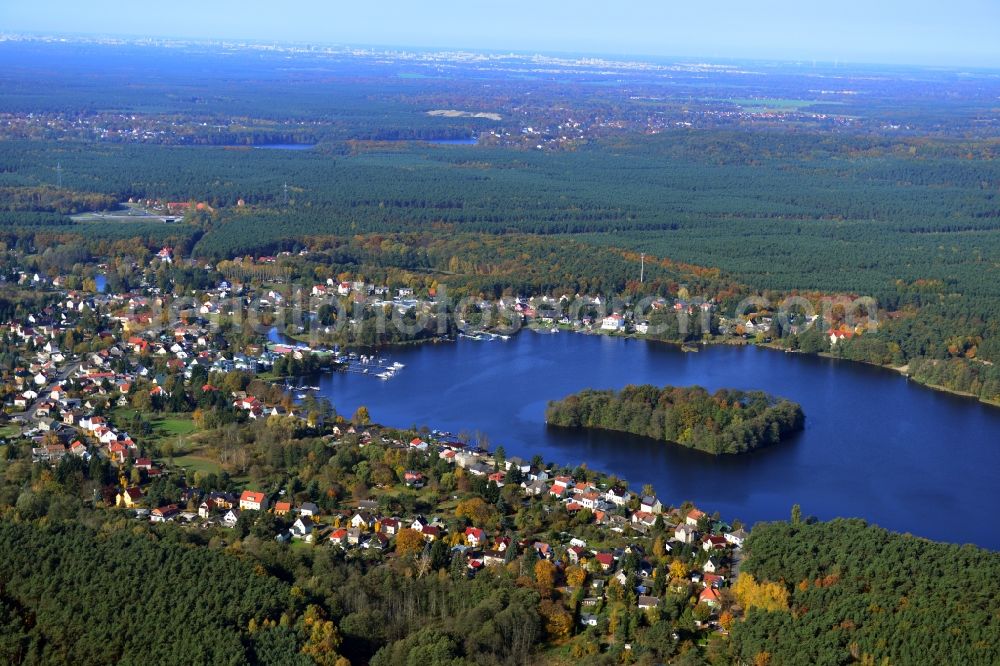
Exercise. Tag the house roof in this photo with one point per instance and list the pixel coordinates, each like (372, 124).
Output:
(252, 496)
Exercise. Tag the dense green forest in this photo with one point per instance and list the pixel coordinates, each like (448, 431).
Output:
(862, 594)
(728, 421)
(70, 595)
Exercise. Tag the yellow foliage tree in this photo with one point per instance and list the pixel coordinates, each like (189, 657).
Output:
(409, 542)
(766, 596)
(558, 622)
(575, 576)
(476, 510)
(324, 639)
(678, 570)
(545, 576)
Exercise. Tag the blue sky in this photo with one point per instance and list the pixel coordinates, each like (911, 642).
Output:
(929, 32)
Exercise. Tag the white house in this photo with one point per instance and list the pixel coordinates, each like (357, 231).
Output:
(613, 322)
(253, 501)
(618, 496)
(650, 504)
(302, 528)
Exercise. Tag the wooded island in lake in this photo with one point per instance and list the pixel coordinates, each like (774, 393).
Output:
(727, 421)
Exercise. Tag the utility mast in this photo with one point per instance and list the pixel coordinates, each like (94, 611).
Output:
(642, 266)
(59, 174)
(284, 194)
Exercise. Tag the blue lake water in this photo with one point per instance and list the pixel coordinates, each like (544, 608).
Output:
(286, 146)
(455, 142)
(875, 446)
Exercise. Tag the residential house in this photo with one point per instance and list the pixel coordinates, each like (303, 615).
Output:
(129, 498)
(613, 322)
(684, 533)
(362, 520)
(207, 508)
(710, 597)
(618, 496)
(693, 516)
(736, 537)
(606, 560)
(163, 513)
(474, 536)
(648, 603)
(302, 528)
(389, 526)
(252, 500)
(651, 504)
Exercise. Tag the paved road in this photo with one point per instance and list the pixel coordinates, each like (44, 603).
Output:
(43, 394)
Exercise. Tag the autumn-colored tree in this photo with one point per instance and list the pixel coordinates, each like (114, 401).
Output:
(361, 416)
(476, 510)
(659, 549)
(762, 659)
(324, 639)
(409, 542)
(545, 577)
(726, 620)
(558, 622)
(766, 596)
(678, 570)
(575, 576)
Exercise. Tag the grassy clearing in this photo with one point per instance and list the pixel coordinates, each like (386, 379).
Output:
(10, 431)
(173, 426)
(192, 463)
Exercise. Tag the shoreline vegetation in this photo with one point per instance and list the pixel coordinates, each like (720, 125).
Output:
(726, 422)
(906, 370)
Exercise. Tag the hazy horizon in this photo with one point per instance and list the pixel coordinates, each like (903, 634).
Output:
(894, 32)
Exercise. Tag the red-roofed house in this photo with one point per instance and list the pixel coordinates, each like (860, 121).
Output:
(129, 497)
(474, 536)
(710, 596)
(253, 501)
(606, 560)
(694, 515)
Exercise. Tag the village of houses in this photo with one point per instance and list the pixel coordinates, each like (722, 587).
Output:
(626, 519)
(56, 399)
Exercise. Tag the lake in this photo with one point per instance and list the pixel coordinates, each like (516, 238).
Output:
(875, 445)
(285, 146)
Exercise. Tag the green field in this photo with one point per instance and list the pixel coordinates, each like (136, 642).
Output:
(192, 463)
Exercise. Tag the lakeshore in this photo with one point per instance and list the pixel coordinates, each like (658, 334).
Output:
(898, 452)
